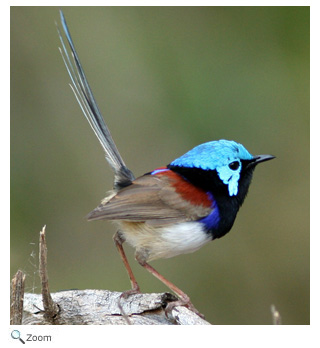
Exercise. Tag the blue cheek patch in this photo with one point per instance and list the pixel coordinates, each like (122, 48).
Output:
(230, 178)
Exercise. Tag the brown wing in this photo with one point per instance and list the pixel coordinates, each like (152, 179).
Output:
(153, 199)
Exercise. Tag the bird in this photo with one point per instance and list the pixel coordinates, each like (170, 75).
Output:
(171, 210)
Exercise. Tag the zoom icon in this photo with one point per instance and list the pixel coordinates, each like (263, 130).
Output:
(15, 334)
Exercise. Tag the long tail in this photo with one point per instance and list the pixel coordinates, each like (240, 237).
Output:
(89, 107)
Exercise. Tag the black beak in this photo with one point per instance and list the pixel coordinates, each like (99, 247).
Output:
(258, 159)
(262, 158)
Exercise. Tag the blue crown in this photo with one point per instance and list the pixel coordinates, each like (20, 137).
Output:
(212, 155)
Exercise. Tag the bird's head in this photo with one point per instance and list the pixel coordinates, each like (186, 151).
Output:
(229, 159)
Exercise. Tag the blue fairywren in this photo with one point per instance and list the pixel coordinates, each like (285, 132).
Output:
(171, 210)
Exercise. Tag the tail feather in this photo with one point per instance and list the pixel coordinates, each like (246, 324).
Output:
(90, 109)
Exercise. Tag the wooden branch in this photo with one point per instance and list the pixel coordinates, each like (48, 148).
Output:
(276, 317)
(92, 307)
(101, 307)
(51, 309)
(17, 295)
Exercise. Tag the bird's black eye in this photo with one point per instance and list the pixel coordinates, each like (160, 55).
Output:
(234, 165)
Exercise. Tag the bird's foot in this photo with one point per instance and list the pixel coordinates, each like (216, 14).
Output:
(128, 293)
(124, 296)
(183, 301)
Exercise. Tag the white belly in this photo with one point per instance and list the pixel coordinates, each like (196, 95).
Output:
(165, 242)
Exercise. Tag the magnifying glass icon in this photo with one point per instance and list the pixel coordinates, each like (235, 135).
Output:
(15, 334)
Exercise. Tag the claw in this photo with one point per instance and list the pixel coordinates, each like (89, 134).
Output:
(130, 292)
(182, 302)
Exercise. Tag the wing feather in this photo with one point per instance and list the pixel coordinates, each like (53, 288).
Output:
(153, 199)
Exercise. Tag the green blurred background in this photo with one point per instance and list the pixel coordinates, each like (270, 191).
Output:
(166, 79)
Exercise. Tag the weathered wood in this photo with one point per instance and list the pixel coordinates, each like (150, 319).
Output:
(51, 309)
(17, 296)
(276, 317)
(101, 307)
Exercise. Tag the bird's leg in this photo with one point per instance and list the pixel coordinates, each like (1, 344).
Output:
(184, 298)
(119, 239)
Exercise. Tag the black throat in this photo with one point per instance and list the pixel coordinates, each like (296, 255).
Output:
(209, 181)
